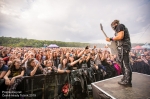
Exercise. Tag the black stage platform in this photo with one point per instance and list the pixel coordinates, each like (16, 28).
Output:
(110, 89)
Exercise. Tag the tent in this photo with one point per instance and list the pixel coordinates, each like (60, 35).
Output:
(137, 47)
(53, 46)
(146, 46)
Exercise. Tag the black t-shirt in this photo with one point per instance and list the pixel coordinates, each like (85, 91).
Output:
(125, 42)
(16, 72)
(74, 67)
(120, 27)
(57, 61)
(83, 64)
(77, 65)
(76, 57)
(104, 62)
(89, 62)
(92, 62)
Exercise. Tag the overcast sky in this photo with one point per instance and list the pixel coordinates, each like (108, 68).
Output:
(73, 20)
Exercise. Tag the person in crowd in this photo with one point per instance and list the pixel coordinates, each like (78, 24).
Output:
(28, 56)
(3, 68)
(33, 67)
(50, 87)
(39, 57)
(14, 75)
(64, 68)
(72, 58)
(5, 56)
(3, 71)
(146, 52)
(137, 53)
(143, 58)
(49, 67)
(85, 58)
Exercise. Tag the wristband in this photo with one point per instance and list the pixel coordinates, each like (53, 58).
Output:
(64, 71)
(111, 39)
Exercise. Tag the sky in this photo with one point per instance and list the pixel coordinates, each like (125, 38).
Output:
(74, 20)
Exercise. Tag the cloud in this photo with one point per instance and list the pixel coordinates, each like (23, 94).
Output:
(140, 19)
(72, 20)
(143, 36)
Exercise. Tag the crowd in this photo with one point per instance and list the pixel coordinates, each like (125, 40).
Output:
(140, 55)
(140, 61)
(15, 63)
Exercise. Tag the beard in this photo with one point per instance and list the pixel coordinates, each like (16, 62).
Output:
(114, 28)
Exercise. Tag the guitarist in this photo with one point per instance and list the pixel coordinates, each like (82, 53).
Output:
(122, 39)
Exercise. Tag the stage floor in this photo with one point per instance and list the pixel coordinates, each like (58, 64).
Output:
(140, 88)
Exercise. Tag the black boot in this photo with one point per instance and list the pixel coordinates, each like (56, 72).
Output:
(122, 79)
(126, 80)
(125, 83)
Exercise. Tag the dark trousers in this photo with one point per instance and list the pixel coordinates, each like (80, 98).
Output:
(126, 67)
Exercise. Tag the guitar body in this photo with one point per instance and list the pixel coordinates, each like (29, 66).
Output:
(113, 48)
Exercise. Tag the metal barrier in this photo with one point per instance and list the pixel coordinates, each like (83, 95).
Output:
(41, 86)
(45, 86)
(32, 87)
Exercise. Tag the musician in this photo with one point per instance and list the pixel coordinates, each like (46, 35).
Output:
(122, 39)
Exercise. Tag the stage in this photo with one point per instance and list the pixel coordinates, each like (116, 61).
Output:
(110, 89)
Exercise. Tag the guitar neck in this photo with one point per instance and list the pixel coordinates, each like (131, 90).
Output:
(104, 34)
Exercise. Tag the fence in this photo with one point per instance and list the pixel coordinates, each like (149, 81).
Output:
(41, 86)
(46, 86)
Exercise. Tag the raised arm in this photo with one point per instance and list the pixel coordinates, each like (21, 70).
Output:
(81, 53)
(103, 56)
(73, 63)
(34, 70)
(89, 56)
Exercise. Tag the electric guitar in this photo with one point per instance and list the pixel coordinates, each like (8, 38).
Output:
(112, 44)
